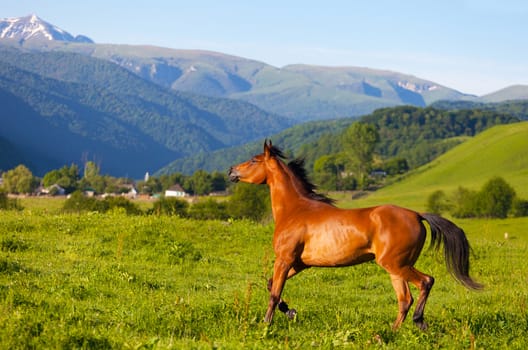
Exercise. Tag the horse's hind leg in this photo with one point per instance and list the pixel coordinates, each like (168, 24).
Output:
(424, 283)
(405, 299)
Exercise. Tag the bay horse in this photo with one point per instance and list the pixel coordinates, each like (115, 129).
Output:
(310, 231)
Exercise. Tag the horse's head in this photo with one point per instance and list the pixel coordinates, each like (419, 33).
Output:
(254, 170)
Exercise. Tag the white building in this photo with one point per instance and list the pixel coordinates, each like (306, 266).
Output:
(175, 191)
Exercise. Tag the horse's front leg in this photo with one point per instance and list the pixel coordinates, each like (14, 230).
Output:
(283, 307)
(280, 274)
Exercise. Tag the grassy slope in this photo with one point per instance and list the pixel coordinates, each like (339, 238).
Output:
(499, 151)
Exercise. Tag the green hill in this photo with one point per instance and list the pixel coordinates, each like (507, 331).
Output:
(498, 151)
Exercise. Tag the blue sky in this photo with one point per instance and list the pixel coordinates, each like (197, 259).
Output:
(474, 46)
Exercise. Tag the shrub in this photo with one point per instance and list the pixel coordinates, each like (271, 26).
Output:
(464, 203)
(208, 209)
(121, 202)
(496, 198)
(78, 202)
(249, 201)
(170, 206)
(519, 207)
(437, 202)
(7, 203)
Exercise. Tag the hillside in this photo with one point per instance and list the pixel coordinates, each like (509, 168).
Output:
(290, 140)
(515, 92)
(301, 92)
(499, 151)
(416, 134)
(60, 108)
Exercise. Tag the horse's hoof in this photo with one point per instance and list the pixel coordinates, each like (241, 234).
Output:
(291, 313)
(422, 325)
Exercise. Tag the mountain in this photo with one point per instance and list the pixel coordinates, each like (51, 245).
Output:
(301, 92)
(59, 108)
(514, 92)
(32, 27)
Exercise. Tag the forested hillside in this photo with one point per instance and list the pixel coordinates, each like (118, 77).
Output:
(416, 134)
(59, 108)
(516, 108)
(422, 134)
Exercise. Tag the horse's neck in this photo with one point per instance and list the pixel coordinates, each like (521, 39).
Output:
(285, 193)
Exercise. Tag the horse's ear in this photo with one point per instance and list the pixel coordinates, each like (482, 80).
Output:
(267, 148)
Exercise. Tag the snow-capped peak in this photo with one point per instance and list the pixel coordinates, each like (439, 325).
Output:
(33, 27)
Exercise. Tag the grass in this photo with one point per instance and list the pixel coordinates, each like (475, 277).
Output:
(114, 281)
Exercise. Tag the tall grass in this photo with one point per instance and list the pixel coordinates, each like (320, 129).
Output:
(116, 281)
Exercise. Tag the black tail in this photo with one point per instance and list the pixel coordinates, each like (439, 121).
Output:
(456, 248)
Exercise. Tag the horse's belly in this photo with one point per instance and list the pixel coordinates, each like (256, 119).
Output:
(335, 253)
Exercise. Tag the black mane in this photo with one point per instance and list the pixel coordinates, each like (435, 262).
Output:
(297, 168)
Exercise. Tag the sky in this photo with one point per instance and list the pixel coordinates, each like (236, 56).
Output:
(473, 46)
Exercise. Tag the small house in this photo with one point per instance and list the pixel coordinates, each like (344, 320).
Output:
(175, 191)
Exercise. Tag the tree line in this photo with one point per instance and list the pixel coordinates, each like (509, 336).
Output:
(20, 180)
(391, 141)
(496, 199)
(245, 201)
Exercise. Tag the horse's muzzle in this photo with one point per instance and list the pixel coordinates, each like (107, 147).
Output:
(233, 175)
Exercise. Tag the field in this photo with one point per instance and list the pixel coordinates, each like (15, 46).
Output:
(99, 281)
(117, 281)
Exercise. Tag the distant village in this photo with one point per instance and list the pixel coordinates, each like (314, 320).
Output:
(20, 182)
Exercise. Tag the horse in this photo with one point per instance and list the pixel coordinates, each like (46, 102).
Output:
(310, 231)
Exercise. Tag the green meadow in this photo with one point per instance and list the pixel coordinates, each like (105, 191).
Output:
(116, 281)
(102, 281)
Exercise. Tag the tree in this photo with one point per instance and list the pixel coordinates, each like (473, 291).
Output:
(361, 139)
(91, 170)
(92, 178)
(396, 166)
(19, 180)
(464, 203)
(201, 183)
(327, 172)
(519, 207)
(496, 198)
(218, 181)
(66, 177)
(249, 201)
(437, 202)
